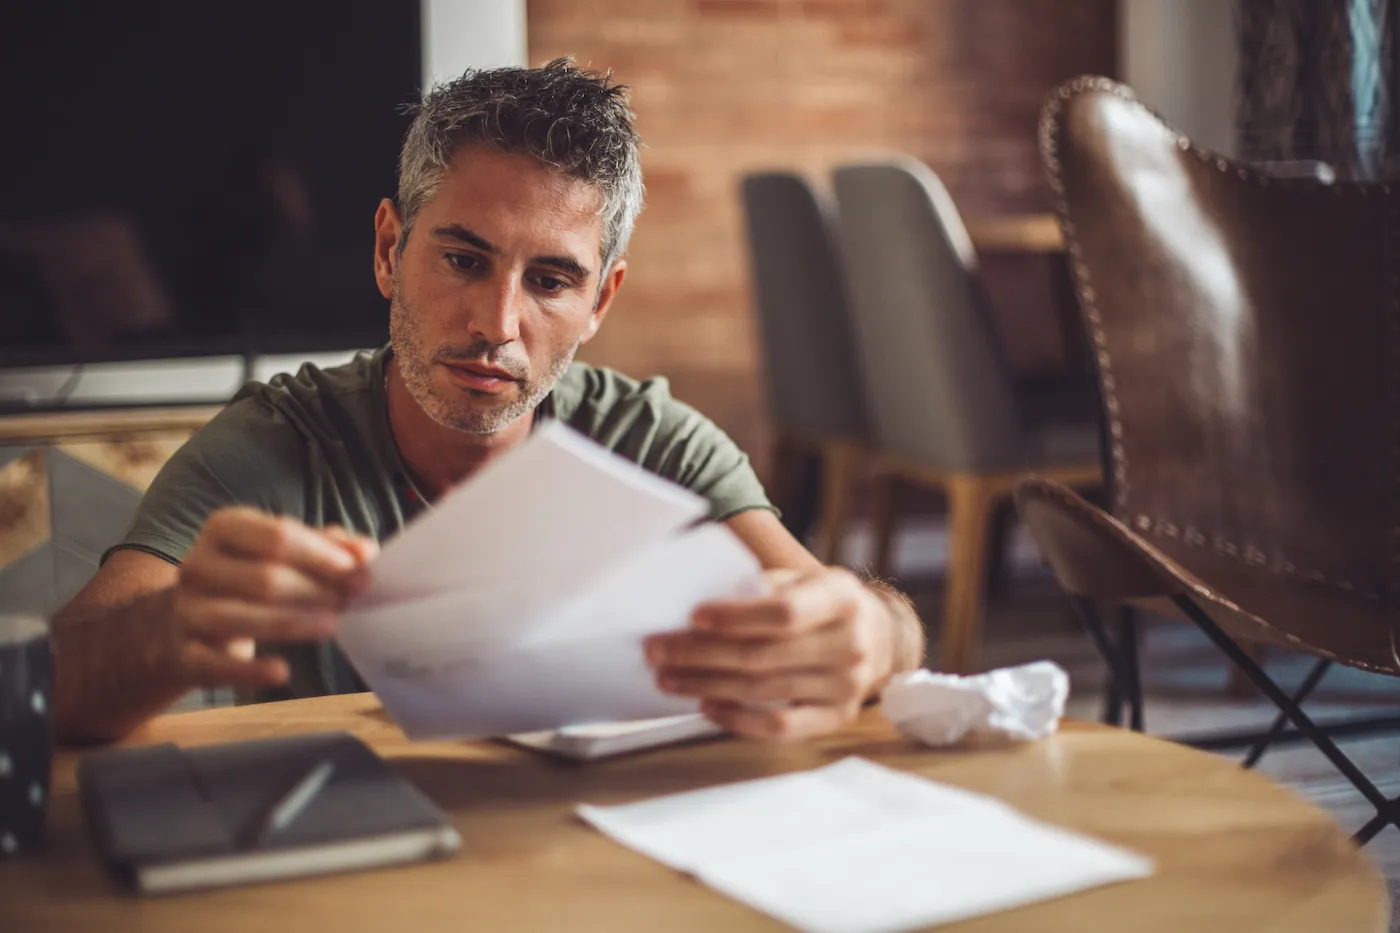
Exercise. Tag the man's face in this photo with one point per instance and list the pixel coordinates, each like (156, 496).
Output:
(496, 288)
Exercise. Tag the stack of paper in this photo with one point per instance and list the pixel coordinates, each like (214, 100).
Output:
(855, 847)
(604, 740)
(520, 601)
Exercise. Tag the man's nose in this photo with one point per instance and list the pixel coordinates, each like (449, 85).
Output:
(495, 317)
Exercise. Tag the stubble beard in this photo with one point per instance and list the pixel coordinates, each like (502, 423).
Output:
(415, 364)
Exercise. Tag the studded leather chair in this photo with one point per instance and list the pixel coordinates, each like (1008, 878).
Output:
(1247, 336)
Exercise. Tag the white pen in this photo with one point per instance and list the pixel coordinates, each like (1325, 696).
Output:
(291, 805)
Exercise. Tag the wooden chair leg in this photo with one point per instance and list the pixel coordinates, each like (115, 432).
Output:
(838, 473)
(971, 504)
(884, 512)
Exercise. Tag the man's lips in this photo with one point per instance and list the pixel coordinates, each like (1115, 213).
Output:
(479, 369)
(477, 376)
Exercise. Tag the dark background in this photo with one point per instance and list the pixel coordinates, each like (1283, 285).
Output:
(184, 177)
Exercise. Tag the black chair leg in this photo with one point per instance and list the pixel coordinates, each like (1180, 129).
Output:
(1377, 823)
(1128, 651)
(802, 499)
(1112, 714)
(1387, 811)
(1120, 654)
(1256, 751)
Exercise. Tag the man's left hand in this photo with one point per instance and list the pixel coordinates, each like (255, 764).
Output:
(794, 664)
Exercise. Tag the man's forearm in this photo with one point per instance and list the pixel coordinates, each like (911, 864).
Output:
(114, 667)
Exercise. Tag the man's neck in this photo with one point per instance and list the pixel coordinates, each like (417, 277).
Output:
(439, 458)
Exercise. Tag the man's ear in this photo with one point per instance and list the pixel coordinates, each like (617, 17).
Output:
(388, 227)
(612, 281)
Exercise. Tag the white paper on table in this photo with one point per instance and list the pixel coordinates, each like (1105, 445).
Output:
(855, 847)
(551, 637)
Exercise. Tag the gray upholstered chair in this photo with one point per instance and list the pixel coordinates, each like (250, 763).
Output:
(814, 390)
(945, 410)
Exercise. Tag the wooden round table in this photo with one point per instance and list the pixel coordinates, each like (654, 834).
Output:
(1234, 851)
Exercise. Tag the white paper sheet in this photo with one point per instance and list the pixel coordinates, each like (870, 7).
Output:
(482, 621)
(855, 847)
(547, 517)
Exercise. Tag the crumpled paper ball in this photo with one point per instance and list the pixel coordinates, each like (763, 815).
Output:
(1019, 703)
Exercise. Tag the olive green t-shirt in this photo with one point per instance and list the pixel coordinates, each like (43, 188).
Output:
(317, 447)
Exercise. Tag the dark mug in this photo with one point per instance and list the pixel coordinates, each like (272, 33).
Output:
(26, 731)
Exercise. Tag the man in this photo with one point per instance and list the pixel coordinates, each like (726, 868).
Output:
(501, 255)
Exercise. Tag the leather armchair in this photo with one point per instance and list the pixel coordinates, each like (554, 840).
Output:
(1246, 330)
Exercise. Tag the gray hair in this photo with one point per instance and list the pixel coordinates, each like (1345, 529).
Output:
(574, 120)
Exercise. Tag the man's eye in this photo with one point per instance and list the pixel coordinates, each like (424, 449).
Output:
(462, 261)
(551, 284)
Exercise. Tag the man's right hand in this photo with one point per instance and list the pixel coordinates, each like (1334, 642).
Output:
(253, 577)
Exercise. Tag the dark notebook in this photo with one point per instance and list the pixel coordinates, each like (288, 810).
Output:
(169, 819)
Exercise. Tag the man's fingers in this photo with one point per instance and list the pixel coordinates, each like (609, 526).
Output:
(257, 536)
(832, 646)
(783, 725)
(253, 577)
(805, 605)
(223, 619)
(361, 548)
(825, 687)
(206, 665)
(265, 582)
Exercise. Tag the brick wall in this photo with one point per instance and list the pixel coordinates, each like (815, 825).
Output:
(721, 87)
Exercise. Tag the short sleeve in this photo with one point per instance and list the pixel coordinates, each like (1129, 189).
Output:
(247, 455)
(696, 453)
(644, 423)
